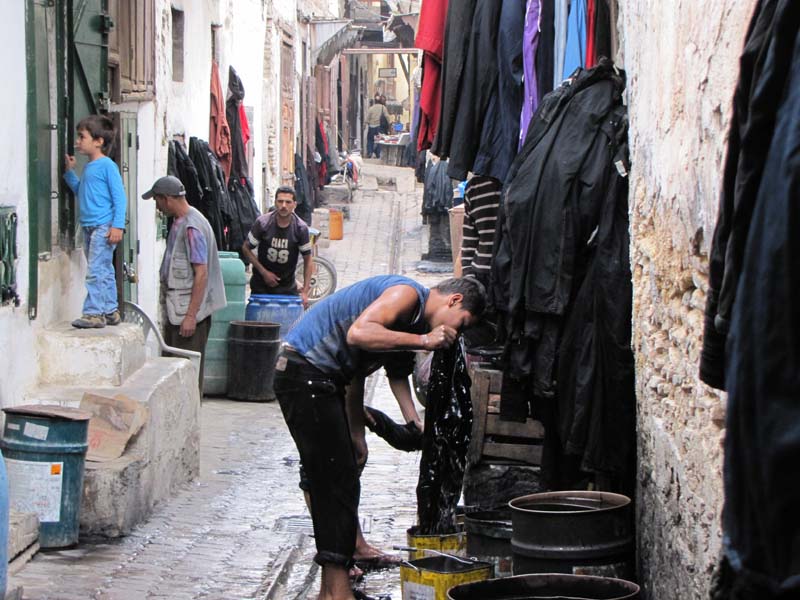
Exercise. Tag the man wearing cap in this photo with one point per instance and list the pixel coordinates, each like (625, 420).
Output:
(191, 277)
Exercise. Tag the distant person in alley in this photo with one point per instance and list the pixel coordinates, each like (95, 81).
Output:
(332, 347)
(102, 204)
(274, 245)
(376, 116)
(191, 278)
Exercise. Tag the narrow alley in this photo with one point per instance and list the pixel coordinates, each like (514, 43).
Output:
(241, 530)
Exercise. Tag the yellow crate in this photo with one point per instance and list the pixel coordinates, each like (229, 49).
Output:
(430, 578)
(452, 543)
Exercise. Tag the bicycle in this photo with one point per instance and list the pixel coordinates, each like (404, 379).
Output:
(348, 173)
(323, 278)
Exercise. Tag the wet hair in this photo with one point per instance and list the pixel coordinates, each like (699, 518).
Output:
(99, 127)
(286, 189)
(472, 291)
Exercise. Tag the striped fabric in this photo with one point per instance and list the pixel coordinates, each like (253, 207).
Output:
(481, 201)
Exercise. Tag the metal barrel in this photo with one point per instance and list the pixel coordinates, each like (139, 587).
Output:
(45, 451)
(489, 538)
(550, 586)
(576, 532)
(252, 351)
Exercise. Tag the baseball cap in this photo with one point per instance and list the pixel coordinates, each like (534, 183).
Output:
(165, 186)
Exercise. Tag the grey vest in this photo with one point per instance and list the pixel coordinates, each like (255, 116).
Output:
(180, 275)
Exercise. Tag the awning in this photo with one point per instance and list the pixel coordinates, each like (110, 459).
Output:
(346, 36)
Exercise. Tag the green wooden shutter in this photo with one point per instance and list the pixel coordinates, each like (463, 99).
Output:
(89, 46)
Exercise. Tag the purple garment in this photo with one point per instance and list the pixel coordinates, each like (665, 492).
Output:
(530, 39)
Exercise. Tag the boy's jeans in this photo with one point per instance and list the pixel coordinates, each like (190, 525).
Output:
(101, 284)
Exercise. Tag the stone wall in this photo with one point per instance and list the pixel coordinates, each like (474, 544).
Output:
(682, 63)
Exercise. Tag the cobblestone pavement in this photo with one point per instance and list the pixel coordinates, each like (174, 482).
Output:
(242, 529)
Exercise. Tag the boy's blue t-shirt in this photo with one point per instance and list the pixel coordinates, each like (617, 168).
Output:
(321, 335)
(100, 192)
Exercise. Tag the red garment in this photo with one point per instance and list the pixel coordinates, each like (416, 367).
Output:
(430, 38)
(245, 125)
(219, 132)
(430, 29)
(430, 101)
(591, 18)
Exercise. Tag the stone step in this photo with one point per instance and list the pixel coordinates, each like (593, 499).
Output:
(89, 357)
(164, 455)
(23, 532)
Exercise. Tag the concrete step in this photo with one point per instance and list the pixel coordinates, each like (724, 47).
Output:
(86, 357)
(164, 455)
(23, 532)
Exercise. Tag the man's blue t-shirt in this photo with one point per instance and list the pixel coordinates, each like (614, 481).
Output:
(101, 195)
(321, 335)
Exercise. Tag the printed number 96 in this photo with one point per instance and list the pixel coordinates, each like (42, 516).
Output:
(278, 256)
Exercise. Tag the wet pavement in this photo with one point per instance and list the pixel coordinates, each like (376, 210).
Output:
(242, 529)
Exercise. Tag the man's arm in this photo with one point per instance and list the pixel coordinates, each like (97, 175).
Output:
(402, 393)
(189, 323)
(248, 249)
(355, 416)
(372, 329)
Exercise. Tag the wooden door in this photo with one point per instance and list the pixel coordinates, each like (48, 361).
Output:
(287, 111)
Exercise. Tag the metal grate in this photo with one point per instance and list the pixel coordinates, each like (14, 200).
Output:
(294, 524)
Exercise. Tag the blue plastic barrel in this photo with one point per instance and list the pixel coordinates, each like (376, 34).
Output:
(45, 450)
(3, 528)
(284, 310)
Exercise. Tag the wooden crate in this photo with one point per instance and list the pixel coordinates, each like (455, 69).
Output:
(493, 438)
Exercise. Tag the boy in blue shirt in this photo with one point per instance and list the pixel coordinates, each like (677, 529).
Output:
(102, 203)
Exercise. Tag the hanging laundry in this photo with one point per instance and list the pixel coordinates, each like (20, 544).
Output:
(219, 132)
(456, 45)
(481, 202)
(215, 207)
(430, 39)
(575, 49)
(560, 23)
(238, 166)
(530, 100)
(478, 87)
(448, 429)
(545, 49)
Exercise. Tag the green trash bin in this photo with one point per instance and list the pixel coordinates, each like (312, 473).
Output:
(215, 372)
(45, 450)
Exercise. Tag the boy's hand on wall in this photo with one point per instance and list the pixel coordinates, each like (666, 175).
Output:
(114, 235)
(69, 162)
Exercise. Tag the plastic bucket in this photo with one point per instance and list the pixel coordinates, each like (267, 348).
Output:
(252, 352)
(336, 225)
(431, 577)
(45, 451)
(547, 586)
(283, 310)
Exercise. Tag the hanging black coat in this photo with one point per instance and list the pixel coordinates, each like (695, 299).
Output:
(245, 212)
(302, 190)
(181, 166)
(215, 194)
(235, 97)
(765, 62)
(438, 195)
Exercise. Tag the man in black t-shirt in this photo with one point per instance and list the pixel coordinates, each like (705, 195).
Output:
(279, 237)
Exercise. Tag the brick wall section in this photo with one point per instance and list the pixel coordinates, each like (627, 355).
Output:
(682, 63)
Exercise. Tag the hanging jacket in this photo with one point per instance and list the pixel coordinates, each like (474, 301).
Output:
(214, 191)
(765, 61)
(186, 171)
(219, 132)
(245, 212)
(238, 166)
(438, 195)
(302, 190)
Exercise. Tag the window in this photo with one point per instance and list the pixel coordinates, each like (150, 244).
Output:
(131, 47)
(177, 45)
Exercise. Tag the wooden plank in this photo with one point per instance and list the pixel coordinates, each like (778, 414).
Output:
(496, 381)
(480, 395)
(530, 429)
(528, 453)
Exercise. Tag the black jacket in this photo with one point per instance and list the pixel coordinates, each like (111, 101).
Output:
(235, 97)
(215, 193)
(562, 277)
(764, 65)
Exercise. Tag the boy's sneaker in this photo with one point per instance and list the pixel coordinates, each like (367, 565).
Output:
(113, 318)
(90, 322)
